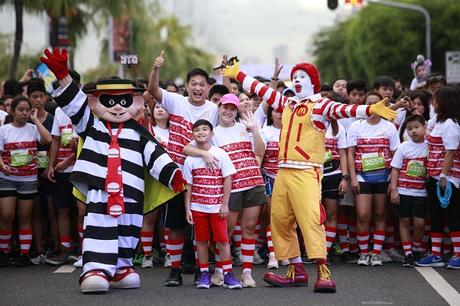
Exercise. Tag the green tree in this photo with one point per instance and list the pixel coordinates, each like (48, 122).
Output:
(380, 40)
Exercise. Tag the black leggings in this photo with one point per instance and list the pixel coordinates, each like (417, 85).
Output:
(452, 212)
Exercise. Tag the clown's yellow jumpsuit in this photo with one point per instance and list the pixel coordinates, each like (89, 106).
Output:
(296, 196)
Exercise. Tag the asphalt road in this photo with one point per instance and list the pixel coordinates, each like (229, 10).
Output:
(387, 285)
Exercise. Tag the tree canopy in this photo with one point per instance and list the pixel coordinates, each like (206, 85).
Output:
(381, 40)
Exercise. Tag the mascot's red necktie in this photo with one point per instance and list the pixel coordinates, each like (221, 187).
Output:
(114, 180)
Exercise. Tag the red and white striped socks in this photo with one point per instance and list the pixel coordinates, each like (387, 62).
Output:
(174, 249)
(331, 232)
(342, 232)
(248, 247)
(436, 242)
(378, 238)
(455, 237)
(5, 238)
(218, 259)
(407, 247)
(363, 241)
(271, 249)
(237, 235)
(147, 242)
(25, 240)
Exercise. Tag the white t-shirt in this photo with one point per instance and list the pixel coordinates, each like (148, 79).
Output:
(237, 142)
(207, 184)
(400, 117)
(444, 136)
(19, 151)
(346, 122)
(3, 115)
(410, 158)
(62, 127)
(162, 135)
(270, 136)
(373, 145)
(333, 144)
(182, 116)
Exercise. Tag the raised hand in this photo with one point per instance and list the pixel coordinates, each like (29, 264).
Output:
(231, 71)
(278, 68)
(249, 120)
(159, 61)
(56, 62)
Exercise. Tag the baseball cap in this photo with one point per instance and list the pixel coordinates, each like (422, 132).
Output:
(230, 99)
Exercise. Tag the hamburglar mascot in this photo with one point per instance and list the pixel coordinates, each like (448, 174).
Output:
(110, 173)
(297, 192)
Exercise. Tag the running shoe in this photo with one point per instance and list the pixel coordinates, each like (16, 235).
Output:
(376, 260)
(204, 281)
(454, 263)
(231, 282)
(364, 260)
(431, 260)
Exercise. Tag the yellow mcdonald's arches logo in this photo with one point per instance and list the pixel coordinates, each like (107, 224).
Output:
(301, 110)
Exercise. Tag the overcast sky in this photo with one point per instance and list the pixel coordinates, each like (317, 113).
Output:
(250, 29)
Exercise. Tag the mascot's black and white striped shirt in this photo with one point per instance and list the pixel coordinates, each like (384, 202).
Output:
(109, 242)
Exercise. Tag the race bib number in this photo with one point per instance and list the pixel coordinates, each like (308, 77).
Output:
(66, 136)
(20, 158)
(42, 159)
(416, 169)
(373, 161)
(327, 155)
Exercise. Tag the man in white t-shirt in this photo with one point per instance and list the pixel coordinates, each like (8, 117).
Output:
(183, 113)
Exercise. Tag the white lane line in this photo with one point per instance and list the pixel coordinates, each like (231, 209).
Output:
(65, 269)
(440, 285)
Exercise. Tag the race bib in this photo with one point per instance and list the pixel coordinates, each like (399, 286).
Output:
(416, 168)
(20, 158)
(327, 155)
(66, 136)
(42, 159)
(373, 161)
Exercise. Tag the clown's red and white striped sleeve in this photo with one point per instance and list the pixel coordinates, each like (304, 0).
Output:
(273, 97)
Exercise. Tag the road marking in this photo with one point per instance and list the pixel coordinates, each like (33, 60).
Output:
(440, 285)
(65, 269)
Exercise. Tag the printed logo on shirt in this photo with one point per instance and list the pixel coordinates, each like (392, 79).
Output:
(66, 136)
(301, 110)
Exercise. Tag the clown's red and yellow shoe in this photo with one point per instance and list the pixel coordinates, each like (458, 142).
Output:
(295, 277)
(323, 282)
(125, 278)
(95, 281)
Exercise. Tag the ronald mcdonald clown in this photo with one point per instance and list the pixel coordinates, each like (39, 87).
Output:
(296, 196)
(110, 174)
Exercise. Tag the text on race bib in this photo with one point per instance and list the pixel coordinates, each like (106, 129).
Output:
(42, 159)
(66, 136)
(416, 169)
(21, 158)
(373, 161)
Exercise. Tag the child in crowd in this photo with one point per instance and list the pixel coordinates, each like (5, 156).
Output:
(443, 168)
(371, 144)
(206, 202)
(408, 187)
(18, 176)
(247, 194)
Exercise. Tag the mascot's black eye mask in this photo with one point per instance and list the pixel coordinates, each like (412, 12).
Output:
(109, 101)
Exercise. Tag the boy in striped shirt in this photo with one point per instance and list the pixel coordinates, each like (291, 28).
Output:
(206, 202)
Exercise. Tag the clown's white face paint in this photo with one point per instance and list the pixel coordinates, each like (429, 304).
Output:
(302, 84)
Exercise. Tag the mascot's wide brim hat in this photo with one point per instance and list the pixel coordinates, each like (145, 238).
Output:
(114, 85)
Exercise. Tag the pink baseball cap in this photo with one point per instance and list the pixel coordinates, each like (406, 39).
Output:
(230, 99)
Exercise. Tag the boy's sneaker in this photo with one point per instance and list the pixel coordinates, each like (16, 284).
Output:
(167, 263)
(217, 278)
(385, 257)
(272, 261)
(238, 257)
(376, 260)
(231, 282)
(408, 261)
(430, 260)
(38, 259)
(347, 257)
(395, 255)
(22, 260)
(59, 260)
(155, 256)
(4, 259)
(175, 278)
(417, 255)
(257, 260)
(335, 249)
(454, 263)
(247, 281)
(204, 281)
(138, 259)
(363, 260)
(79, 262)
(147, 262)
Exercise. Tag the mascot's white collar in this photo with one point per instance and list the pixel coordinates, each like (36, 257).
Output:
(313, 98)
